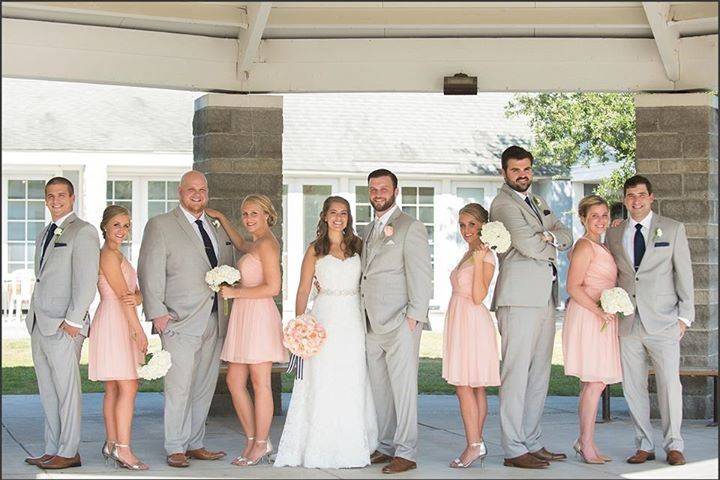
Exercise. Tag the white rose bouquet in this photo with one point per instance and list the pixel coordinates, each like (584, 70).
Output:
(222, 275)
(156, 367)
(495, 236)
(615, 300)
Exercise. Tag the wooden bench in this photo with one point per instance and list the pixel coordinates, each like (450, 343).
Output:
(684, 372)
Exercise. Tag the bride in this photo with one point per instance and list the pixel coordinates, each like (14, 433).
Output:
(331, 420)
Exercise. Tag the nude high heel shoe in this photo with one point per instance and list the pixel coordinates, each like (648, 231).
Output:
(481, 456)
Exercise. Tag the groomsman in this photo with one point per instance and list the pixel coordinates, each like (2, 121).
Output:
(655, 268)
(525, 298)
(178, 249)
(67, 261)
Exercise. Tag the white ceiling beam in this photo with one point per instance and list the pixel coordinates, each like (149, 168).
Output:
(65, 52)
(666, 38)
(249, 39)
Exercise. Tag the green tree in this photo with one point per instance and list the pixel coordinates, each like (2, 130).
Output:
(576, 128)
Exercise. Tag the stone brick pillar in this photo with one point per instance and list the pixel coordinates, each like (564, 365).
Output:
(237, 143)
(677, 149)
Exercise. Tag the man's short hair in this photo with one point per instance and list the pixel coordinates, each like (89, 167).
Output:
(382, 172)
(514, 153)
(636, 180)
(60, 181)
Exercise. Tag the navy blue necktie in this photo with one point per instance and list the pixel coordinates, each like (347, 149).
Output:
(532, 207)
(638, 245)
(50, 233)
(210, 252)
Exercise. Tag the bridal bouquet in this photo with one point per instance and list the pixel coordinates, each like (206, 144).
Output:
(156, 367)
(615, 300)
(222, 275)
(495, 236)
(303, 336)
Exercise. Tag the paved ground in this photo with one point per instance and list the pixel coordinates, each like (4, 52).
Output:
(441, 438)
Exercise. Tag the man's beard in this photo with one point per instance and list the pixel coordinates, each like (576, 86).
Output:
(383, 206)
(195, 210)
(517, 187)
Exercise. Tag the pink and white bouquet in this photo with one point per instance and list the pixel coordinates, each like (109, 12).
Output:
(304, 336)
(615, 300)
(222, 275)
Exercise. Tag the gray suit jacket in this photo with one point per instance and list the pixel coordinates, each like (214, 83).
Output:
(66, 281)
(525, 271)
(171, 273)
(662, 288)
(397, 274)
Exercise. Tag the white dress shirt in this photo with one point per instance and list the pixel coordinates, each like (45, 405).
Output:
(382, 221)
(206, 225)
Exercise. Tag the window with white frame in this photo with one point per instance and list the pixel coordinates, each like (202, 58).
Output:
(162, 196)
(313, 198)
(363, 209)
(120, 192)
(419, 202)
(471, 195)
(25, 219)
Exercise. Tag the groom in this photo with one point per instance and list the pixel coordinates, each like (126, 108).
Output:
(655, 268)
(395, 291)
(525, 298)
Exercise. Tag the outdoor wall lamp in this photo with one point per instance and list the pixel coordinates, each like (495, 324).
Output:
(460, 84)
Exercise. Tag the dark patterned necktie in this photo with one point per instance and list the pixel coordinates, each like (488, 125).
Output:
(50, 233)
(532, 207)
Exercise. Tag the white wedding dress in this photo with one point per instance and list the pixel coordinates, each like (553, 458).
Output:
(331, 420)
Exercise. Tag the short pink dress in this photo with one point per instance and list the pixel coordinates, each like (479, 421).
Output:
(254, 333)
(470, 354)
(113, 353)
(592, 355)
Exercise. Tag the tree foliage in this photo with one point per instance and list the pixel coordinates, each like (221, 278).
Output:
(577, 128)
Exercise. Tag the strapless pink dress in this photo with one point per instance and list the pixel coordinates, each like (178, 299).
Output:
(470, 354)
(254, 333)
(589, 354)
(113, 353)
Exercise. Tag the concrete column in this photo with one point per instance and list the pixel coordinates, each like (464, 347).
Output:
(677, 149)
(237, 143)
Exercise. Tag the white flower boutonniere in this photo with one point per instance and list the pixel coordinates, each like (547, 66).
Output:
(58, 232)
(216, 223)
(658, 232)
(537, 202)
(388, 230)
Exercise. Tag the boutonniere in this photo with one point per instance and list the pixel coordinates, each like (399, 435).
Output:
(388, 230)
(215, 222)
(537, 202)
(58, 232)
(658, 232)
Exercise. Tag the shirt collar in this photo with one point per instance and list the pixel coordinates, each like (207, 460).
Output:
(60, 220)
(523, 195)
(190, 217)
(386, 216)
(645, 222)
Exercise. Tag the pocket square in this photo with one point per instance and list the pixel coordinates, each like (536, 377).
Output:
(662, 244)
(546, 212)
(60, 245)
(390, 242)
(228, 243)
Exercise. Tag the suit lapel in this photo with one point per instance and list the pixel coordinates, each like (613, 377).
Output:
(51, 246)
(38, 249)
(620, 244)
(650, 240)
(190, 232)
(366, 235)
(224, 252)
(516, 198)
(381, 238)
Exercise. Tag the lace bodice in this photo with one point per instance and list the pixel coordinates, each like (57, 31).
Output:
(338, 277)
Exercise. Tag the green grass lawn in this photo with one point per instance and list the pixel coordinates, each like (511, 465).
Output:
(18, 374)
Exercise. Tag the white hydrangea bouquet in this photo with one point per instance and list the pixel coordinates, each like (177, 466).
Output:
(222, 275)
(615, 300)
(156, 367)
(495, 236)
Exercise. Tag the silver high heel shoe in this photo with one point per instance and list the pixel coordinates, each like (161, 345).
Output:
(579, 454)
(240, 458)
(264, 457)
(122, 463)
(106, 450)
(481, 456)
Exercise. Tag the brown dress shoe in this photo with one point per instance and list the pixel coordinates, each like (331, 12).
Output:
(641, 456)
(525, 461)
(56, 462)
(675, 457)
(379, 457)
(178, 460)
(204, 454)
(543, 454)
(38, 460)
(398, 465)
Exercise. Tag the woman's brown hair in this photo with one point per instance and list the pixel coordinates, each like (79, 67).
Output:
(352, 244)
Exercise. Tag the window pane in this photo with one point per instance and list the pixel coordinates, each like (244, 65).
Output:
(36, 189)
(426, 195)
(30, 251)
(16, 189)
(362, 214)
(361, 194)
(15, 266)
(431, 233)
(426, 214)
(171, 205)
(34, 229)
(412, 211)
(16, 252)
(589, 188)
(16, 231)
(16, 210)
(313, 198)
(127, 205)
(409, 195)
(172, 190)
(471, 195)
(109, 190)
(155, 208)
(123, 189)
(156, 190)
(36, 210)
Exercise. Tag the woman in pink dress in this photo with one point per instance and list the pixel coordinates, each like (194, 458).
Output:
(117, 341)
(470, 355)
(254, 336)
(591, 352)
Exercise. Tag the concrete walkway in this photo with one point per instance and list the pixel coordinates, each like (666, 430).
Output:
(441, 439)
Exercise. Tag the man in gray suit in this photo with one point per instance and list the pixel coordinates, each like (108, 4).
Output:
(67, 262)
(655, 268)
(178, 249)
(395, 292)
(525, 298)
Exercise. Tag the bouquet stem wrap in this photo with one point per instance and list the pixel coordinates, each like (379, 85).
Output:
(296, 363)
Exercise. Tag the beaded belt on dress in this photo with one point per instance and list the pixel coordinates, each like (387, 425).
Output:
(341, 293)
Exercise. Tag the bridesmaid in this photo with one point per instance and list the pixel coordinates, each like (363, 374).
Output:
(117, 341)
(254, 336)
(470, 354)
(590, 354)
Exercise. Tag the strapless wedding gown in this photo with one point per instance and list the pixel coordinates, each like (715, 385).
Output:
(331, 420)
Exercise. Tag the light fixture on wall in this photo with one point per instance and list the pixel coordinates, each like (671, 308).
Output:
(460, 84)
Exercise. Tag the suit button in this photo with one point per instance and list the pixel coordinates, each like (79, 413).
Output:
(633, 295)
(637, 279)
(364, 277)
(38, 280)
